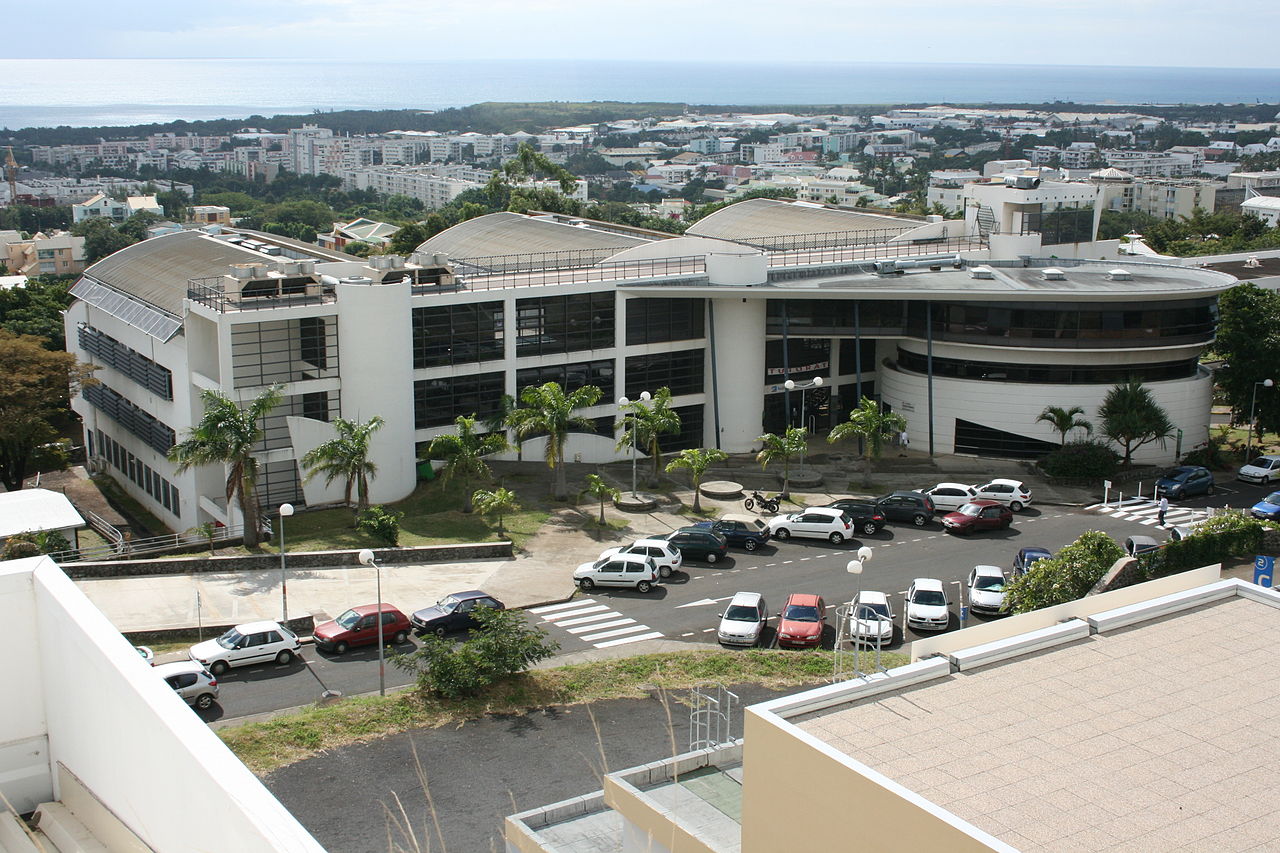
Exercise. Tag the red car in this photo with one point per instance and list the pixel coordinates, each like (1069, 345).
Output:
(801, 621)
(359, 627)
(978, 515)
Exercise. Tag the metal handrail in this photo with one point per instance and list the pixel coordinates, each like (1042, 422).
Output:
(148, 545)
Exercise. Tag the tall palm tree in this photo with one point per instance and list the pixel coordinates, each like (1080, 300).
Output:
(1064, 421)
(696, 461)
(346, 456)
(646, 421)
(226, 435)
(872, 424)
(497, 421)
(549, 410)
(775, 447)
(463, 453)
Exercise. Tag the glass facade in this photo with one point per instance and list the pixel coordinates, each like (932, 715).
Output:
(1048, 374)
(652, 321)
(438, 402)
(557, 324)
(570, 377)
(457, 334)
(682, 372)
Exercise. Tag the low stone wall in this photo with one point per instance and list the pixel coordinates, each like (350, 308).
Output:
(294, 559)
(303, 626)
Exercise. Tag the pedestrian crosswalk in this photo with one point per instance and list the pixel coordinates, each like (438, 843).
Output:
(1147, 512)
(594, 623)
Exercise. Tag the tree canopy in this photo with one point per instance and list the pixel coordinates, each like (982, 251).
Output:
(1132, 418)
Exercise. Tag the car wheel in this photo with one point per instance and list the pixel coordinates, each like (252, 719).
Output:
(440, 631)
(340, 649)
(836, 538)
(919, 520)
(1008, 523)
(204, 701)
(870, 528)
(712, 556)
(1016, 506)
(218, 668)
(782, 533)
(664, 572)
(284, 657)
(1212, 489)
(644, 586)
(399, 638)
(750, 545)
(586, 584)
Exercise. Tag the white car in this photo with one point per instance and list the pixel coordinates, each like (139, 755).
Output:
(191, 681)
(634, 570)
(742, 623)
(986, 589)
(1012, 493)
(816, 522)
(927, 606)
(1262, 470)
(252, 642)
(872, 624)
(951, 496)
(665, 555)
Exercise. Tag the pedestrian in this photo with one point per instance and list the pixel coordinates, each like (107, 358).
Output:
(903, 441)
(1164, 507)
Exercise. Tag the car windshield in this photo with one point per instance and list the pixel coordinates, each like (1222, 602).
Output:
(801, 613)
(1261, 462)
(1178, 475)
(1273, 498)
(348, 620)
(873, 611)
(230, 639)
(741, 613)
(969, 509)
(451, 601)
(929, 597)
(988, 583)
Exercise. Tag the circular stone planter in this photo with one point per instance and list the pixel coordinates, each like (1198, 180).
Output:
(805, 478)
(639, 502)
(721, 489)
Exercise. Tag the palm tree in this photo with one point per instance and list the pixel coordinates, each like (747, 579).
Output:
(791, 443)
(646, 421)
(696, 461)
(346, 457)
(1064, 421)
(600, 490)
(463, 453)
(226, 435)
(549, 410)
(872, 424)
(501, 501)
(497, 421)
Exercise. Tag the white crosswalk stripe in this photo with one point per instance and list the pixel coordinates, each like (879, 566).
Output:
(1147, 512)
(595, 623)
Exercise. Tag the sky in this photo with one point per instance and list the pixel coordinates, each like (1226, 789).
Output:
(1230, 33)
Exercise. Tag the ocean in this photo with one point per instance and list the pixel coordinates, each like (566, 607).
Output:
(91, 92)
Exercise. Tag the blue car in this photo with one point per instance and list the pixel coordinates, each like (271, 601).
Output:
(1027, 556)
(1185, 481)
(1267, 508)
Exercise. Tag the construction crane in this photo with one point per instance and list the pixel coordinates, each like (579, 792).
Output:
(11, 175)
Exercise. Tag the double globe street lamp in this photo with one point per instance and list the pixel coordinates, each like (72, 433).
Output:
(792, 385)
(623, 403)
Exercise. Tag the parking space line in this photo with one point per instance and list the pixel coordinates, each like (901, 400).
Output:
(687, 634)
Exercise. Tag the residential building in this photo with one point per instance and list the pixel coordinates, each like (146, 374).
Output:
(436, 186)
(376, 234)
(56, 253)
(1266, 208)
(1254, 180)
(39, 511)
(143, 204)
(209, 214)
(946, 187)
(1059, 212)
(100, 207)
(1150, 164)
(1165, 199)
(752, 294)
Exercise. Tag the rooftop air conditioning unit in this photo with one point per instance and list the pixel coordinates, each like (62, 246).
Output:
(886, 267)
(982, 272)
(1118, 274)
(355, 279)
(1054, 274)
(1022, 182)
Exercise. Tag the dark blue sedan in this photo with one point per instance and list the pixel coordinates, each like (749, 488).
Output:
(1268, 508)
(1027, 556)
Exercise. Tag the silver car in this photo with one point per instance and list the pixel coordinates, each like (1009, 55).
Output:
(191, 681)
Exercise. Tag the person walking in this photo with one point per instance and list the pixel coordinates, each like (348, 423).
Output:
(1164, 507)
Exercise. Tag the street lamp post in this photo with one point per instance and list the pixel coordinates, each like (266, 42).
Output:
(792, 385)
(1248, 447)
(286, 510)
(623, 402)
(855, 567)
(366, 558)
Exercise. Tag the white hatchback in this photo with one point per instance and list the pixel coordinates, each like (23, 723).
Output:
(634, 570)
(951, 496)
(250, 643)
(927, 607)
(816, 522)
(872, 622)
(986, 589)
(1263, 469)
(742, 623)
(1012, 493)
(665, 555)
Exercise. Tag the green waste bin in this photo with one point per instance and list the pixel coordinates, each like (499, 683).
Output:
(425, 471)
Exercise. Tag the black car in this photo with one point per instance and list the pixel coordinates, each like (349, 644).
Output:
(741, 531)
(914, 507)
(1027, 557)
(1185, 481)
(865, 516)
(696, 544)
(453, 612)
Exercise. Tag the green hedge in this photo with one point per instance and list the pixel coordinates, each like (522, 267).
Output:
(1227, 536)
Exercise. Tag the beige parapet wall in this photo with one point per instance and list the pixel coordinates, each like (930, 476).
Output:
(1002, 629)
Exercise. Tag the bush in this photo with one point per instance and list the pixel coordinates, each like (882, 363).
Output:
(1085, 459)
(1065, 577)
(1230, 535)
(1212, 453)
(30, 544)
(382, 524)
(502, 645)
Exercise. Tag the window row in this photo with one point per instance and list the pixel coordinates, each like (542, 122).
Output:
(682, 372)
(283, 351)
(105, 447)
(438, 402)
(130, 362)
(157, 435)
(1049, 374)
(457, 334)
(557, 324)
(653, 321)
(571, 377)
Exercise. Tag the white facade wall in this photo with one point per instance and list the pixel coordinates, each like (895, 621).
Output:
(739, 366)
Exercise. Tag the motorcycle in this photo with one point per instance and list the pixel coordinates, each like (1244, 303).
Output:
(763, 501)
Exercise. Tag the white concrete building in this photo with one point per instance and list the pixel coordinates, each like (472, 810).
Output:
(1266, 208)
(101, 207)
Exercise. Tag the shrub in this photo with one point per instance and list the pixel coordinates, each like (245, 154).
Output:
(1065, 577)
(1226, 536)
(382, 524)
(1086, 458)
(1212, 453)
(20, 546)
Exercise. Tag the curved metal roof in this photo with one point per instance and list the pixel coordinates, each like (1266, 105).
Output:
(498, 234)
(763, 221)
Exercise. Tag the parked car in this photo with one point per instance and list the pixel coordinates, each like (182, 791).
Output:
(665, 555)
(927, 606)
(454, 612)
(1012, 493)
(949, 496)
(252, 642)
(191, 681)
(914, 507)
(1267, 508)
(739, 530)
(1135, 545)
(1027, 556)
(694, 543)
(865, 516)
(986, 589)
(359, 627)
(1262, 470)
(146, 654)
(818, 522)
(872, 622)
(801, 621)
(634, 570)
(1185, 481)
(744, 620)
(977, 515)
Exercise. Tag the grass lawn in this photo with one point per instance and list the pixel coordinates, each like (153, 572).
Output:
(284, 740)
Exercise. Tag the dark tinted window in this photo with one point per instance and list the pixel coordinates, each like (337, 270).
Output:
(457, 334)
(651, 321)
(682, 372)
(558, 324)
(437, 402)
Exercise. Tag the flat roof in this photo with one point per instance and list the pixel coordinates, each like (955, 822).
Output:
(1155, 737)
(35, 510)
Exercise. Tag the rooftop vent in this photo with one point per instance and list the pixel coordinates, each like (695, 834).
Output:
(1054, 274)
(1022, 182)
(355, 279)
(886, 267)
(1118, 274)
(982, 272)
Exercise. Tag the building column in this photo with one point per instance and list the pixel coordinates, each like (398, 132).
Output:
(736, 398)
